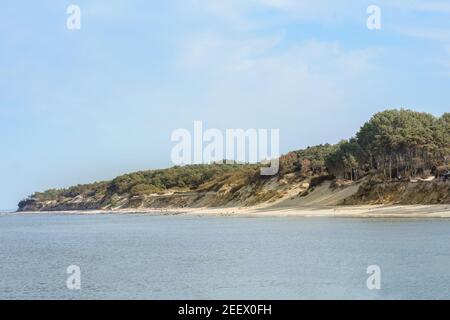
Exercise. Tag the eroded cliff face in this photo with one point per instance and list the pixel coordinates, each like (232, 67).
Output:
(78, 203)
(401, 192)
(292, 190)
(229, 194)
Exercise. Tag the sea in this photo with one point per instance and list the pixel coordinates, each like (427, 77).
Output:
(141, 256)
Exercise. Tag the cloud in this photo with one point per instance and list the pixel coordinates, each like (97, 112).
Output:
(213, 50)
(258, 67)
(425, 21)
(439, 35)
(421, 6)
(242, 12)
(267, 74)
(109, 10)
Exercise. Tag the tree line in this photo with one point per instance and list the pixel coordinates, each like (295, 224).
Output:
(398, 144)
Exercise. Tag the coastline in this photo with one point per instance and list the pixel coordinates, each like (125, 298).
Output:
(356, 211)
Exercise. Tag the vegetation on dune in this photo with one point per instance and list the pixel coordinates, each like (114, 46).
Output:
(307, 161)
(398, 144)
(393, 144)
(147, 182)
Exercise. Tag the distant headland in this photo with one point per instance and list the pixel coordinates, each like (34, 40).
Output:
(398, 157)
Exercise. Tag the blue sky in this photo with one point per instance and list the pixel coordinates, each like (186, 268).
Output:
(86, 105)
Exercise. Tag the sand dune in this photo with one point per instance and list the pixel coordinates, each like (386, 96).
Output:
(322, 201)
(321, 196)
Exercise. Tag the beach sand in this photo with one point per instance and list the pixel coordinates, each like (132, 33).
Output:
(366, 211)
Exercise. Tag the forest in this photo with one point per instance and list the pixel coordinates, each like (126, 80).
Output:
(399, 144)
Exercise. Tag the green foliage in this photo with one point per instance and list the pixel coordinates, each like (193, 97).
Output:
(143, 189)
(307, 161)
(148, 182)
(317, 154)
(187, 177)
(395, 142)
(346, 159)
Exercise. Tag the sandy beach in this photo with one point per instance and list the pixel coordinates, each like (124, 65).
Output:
(366, 211)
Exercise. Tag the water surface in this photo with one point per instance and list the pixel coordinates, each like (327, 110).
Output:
(185, 257)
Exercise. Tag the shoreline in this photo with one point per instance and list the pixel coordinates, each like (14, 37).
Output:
(357, 211)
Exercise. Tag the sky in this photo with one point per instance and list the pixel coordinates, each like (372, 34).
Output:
(78, 106)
